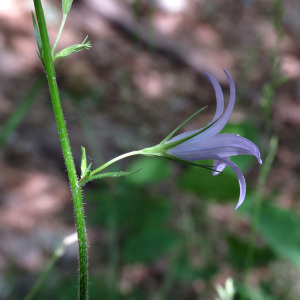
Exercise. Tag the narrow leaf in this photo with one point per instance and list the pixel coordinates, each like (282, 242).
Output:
(37, 37)
(191, 163)
(161, 149)
(72, 49)
(83, 162)
(88, 168)
(173, 144)
(182, 124)
(108, 174)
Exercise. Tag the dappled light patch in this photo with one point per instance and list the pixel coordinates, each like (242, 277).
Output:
(36, 197)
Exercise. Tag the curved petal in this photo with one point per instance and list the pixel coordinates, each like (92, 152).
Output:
(222, 162)
(223, 145)
(219, 125)
(219, 97)
(219, 166)
(240, 177)
(219, 108)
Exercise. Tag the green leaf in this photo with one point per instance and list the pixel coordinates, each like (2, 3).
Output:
(104, 175)
(72, 49)
(83, 162)
(237, 250)
(252, 293)
(16, 117)
(88, 168)
(182, 124)
(191, 163)
(133, 208)
(221, 187)
(281, 230)
(150, 245)
(66, 6)
(38, 38)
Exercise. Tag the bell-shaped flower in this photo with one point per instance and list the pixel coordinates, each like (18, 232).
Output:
(190, 147)
(209, 143)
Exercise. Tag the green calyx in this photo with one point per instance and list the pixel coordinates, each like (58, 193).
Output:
(162, 148)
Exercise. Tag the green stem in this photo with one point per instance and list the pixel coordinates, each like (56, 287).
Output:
(75, 188)
(116, 159)
(63, 21)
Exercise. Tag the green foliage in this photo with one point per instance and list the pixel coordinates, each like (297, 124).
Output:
(153, 170)
(132, 208)
(200, 182)
(237, 253)
(21, 111)
(99, 289)
(270, 88)
(278, 13)
(185, 270)
(249, 131)
(60, 284)
(247, 293)
(281, 230)
(72, 49)
(38, 39)
(150, 244)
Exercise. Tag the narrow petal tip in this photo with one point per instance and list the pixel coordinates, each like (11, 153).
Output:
(219, 166)
(237, 206)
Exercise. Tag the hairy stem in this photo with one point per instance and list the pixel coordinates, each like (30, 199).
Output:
(65, 144)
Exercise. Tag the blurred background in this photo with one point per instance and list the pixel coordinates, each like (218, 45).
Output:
(170, 231)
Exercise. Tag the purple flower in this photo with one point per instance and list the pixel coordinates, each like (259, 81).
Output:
(210, 144)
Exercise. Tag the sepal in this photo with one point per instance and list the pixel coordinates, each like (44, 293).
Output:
(164, 146)
(191, 163)
(182, 124)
